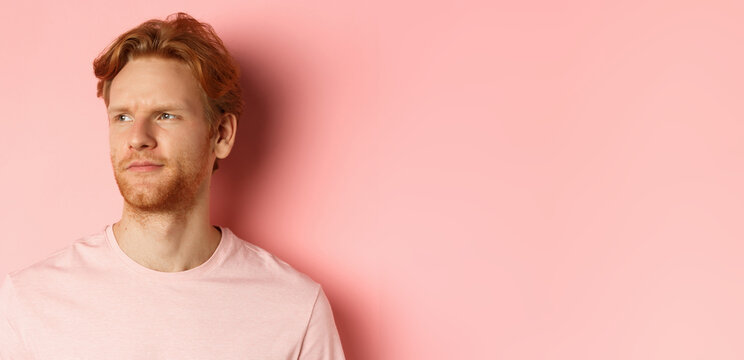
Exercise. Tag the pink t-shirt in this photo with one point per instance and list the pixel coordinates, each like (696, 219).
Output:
(91, 301)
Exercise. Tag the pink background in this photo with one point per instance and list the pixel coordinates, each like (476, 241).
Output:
(471, 180)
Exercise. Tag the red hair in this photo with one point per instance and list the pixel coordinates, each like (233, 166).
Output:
(180, 37)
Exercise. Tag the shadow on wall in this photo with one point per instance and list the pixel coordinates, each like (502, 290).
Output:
(238, 175)
(237, 180)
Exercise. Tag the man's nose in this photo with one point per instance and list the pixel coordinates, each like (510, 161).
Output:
(141, 135)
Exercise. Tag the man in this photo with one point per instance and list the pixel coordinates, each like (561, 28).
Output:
(163, 283)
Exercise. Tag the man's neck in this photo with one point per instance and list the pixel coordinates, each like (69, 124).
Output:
(167, 242)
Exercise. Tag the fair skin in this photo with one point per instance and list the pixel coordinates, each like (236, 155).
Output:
(156, 116)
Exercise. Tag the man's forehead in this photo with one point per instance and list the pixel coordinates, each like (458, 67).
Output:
(153, 83)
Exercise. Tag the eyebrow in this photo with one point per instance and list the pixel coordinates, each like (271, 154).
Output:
(159, 108)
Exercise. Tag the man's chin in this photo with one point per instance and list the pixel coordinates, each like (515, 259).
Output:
(143, 202)
(161, 195)
(147, 198)
(157, 198)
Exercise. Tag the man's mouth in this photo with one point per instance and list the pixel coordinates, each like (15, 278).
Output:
(144, 166)
(140, 168)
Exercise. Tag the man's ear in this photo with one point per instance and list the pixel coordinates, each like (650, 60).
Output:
(225, 135)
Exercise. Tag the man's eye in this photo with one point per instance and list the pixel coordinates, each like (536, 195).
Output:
(168, 116)
(122, 117)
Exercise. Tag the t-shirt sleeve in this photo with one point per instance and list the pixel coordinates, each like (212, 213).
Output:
(321, 341)
(11, 343)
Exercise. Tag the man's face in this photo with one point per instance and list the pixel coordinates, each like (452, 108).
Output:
(156, 116)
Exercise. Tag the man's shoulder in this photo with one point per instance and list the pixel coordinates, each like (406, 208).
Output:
(258, 264)
(72, 256)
